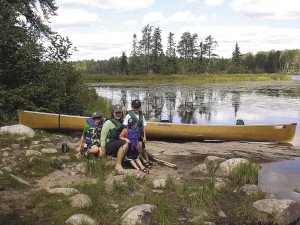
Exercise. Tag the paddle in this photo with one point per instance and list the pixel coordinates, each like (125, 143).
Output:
(162, 162)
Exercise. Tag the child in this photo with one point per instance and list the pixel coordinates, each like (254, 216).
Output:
(91, 136)
(131, 136)
(141, 122)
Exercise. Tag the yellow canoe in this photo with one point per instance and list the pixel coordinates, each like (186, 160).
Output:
(260, 133)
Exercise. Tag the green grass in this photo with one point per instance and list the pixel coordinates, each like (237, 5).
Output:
(245, 173)
(180, 78)
(6, 140)
(98, 167)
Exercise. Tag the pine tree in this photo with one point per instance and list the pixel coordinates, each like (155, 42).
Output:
(187, 46)
(171, 51)
(145, 48)
(135, 50)
(202, 51)
(236, 55)
(210, 45)
(124, 64)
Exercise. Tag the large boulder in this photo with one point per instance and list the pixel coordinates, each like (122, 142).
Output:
(285, 211)
(160, 183)
(33, 153)
(78, 219)
(201, 168)
(49, 150)
(18, 129)
(213, 159)
(227, 166)
(138, 215)
(250, 189)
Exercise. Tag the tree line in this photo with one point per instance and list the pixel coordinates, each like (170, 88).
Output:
(32, 76)
(189, 56)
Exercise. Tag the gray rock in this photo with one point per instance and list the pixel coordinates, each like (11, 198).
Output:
(1, 173)
(5, 149)
(209, 223)
(7, 169)
(81, 201)
(140, 214)
(250, 189)
(58, 173)
(213, 159)
(49, 150)
(219, 183)
(297, 189)
(18, 129)
(33, 153)
(222, 214)
(227, 166)
(21, 138)
(36, 147)
(72, 145)
(110, 181)
(159, 183)
(34, 160)
(158, 191)
(81, 167)
(20, 180)
(199, 215)
(15, 145)
(65, 191)
(78, 219)
(201, 168)
(284, 211)
(5, 154)
(35, 142)
(46, 140)
(134, 173)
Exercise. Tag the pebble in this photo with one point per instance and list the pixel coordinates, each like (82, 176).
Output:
(5, 154)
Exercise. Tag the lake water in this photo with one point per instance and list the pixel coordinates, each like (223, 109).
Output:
(273, 102)
(255, 102)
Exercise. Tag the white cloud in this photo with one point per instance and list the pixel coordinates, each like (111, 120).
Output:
(213, 3)
(130, 22)
(251, 38)
(191, 1)
(185, 16)
(73, 17)
(279, 9)
(153, 17)
(119, 5)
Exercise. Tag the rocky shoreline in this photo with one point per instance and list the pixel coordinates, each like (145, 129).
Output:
(41, 185)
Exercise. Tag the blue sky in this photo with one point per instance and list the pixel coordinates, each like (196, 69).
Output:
(101, 29)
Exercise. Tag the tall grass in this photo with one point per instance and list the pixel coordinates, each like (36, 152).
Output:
(245, 173)
(181, 78)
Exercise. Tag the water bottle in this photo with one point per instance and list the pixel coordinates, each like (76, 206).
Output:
(64, 147)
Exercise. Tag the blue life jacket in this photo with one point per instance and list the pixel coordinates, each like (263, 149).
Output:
(93, 135)
(140, 121)
(133, 136)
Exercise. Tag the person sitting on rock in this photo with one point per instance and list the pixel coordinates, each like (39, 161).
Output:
(137, 114)
(131, 136)
(91, 136)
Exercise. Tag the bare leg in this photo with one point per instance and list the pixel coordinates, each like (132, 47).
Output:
(102, 151)
(139, 148)
(132, 162)
(93, 150)
(138, 161)
(121, 153)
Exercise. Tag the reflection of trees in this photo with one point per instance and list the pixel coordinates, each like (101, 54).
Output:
(123, 100)
(153, 102)
(170, 103)
(236, 101)
(186, 108)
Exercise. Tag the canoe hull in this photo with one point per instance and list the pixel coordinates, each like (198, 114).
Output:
(258, 133)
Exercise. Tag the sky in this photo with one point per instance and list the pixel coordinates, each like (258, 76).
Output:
(101, 29)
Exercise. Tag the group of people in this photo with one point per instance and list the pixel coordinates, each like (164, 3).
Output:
(121, 136)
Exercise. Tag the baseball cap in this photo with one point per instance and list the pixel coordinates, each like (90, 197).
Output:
(96, 115)
(117, 108)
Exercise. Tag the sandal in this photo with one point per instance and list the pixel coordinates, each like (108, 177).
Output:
(145, 170)
(147, 165)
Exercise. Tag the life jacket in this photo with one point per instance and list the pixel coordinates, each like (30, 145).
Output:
(133, 136)
(140, 121)
(113, 134)
(93, 135)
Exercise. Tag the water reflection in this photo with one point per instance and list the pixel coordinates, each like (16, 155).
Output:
(254, 102)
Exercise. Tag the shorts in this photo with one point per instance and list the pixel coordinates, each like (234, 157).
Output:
(132, 154)
(112, 148)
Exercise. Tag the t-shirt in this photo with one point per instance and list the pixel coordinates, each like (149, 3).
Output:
(127, 117)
